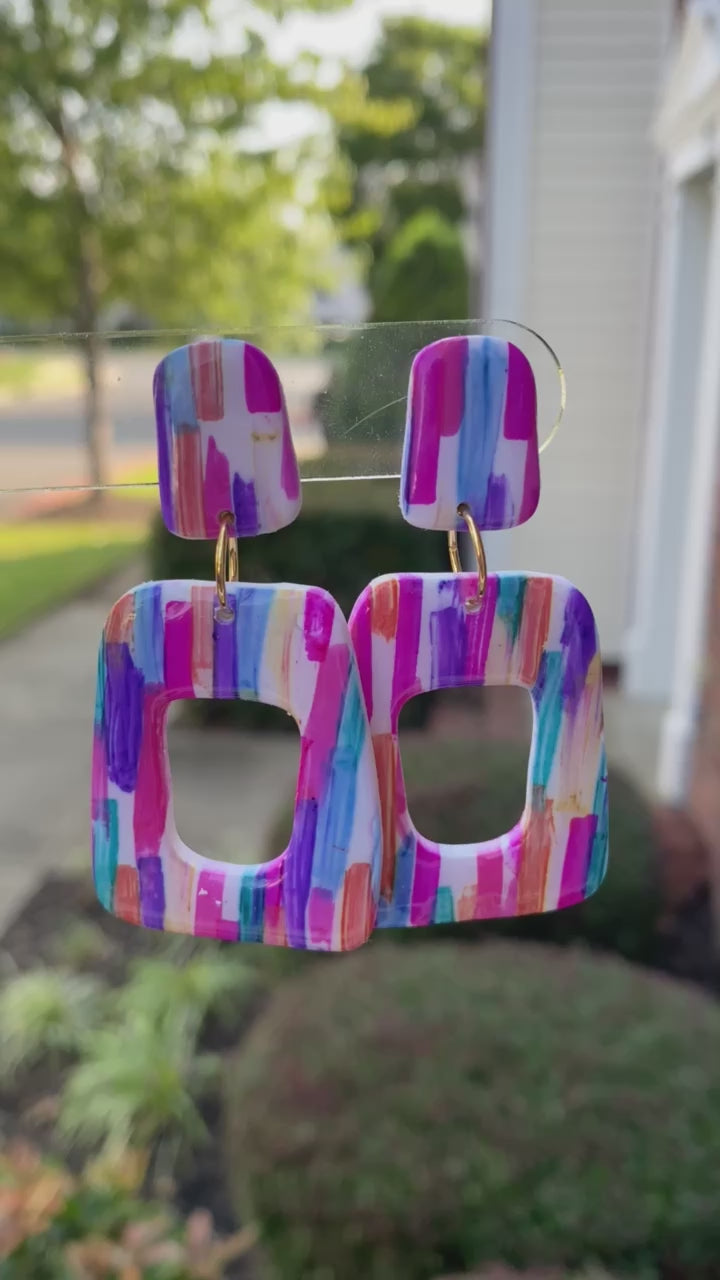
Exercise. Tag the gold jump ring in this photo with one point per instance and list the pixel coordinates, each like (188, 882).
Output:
(474, 603)
(226, 557)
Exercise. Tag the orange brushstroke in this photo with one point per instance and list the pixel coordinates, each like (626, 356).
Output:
(534, 859)
(274, 931)
(534, 627)
(467, 903)
(385, 608)
(119, 624)
(188, 484)
(386, 759)
(202, 641)
(126, 898)
(357, 912)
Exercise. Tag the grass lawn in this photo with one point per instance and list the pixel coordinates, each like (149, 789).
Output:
(45, 562)
(38, 372)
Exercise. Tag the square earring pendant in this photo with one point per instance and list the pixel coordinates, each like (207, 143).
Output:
(471, 436)
(284, 645)
(412, 633)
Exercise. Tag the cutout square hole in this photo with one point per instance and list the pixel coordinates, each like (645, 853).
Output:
(466, 772)
(234, 766)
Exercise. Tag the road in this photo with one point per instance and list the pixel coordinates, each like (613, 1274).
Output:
(41, 440)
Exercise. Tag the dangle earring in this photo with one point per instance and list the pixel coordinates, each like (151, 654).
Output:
(471, 461)
(228, 469)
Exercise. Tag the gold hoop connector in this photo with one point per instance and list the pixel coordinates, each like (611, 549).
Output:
(226, 557)
(473, 604)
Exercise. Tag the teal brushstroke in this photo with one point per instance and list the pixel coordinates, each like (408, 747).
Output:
(444, 912)
(510, 601)
(251, 908)
(600, 845)
(547, 696)
(100, 688)
(105, 853)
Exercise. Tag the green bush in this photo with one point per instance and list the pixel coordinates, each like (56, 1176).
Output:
(341, 540)
(423, 274)
(414, 1111)
(465, 790)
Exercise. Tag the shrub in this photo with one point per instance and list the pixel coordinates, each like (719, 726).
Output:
(141, 1075)
(340, 542)
(423, 274)
(466, 790)
(57, 1227)
(414, 1111)
(45, 1012)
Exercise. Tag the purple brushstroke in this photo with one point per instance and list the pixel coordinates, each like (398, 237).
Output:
(298, 869)
(225, 657)
(152, 892)
(245, 507)
(579, 641)
(123, 712)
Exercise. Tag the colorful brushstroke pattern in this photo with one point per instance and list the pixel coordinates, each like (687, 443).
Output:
(224, 441)
(470, 436)
(411, 634)
(284, 645)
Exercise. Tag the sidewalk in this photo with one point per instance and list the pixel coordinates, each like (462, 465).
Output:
(230, 782)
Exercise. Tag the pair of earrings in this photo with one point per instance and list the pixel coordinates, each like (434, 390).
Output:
(355, 862)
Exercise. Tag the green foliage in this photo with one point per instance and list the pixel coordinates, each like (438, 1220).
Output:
(45, 1013)
(57, 1227)
(140, 1076)
(423, 275)
(340, 542)
(437, 72)
(414, 1111)
(125, 173)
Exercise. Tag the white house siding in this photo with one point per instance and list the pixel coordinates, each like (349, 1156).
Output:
(573, 203)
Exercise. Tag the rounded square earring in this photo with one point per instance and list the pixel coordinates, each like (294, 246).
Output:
(228, 469)
(471, 460)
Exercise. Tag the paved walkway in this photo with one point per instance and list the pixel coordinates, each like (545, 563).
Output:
(230, 784)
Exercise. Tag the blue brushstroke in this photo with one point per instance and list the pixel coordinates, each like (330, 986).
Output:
(481, 424)
(547, 696)
(337, 806)
(148, 634)
(396, 913)
(179, 392)
(252, 610)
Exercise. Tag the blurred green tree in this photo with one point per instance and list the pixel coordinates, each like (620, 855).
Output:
(127, 173)
(432, 161)
(423, 275)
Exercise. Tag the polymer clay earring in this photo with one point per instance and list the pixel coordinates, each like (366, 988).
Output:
(471, 461)
(227, 468)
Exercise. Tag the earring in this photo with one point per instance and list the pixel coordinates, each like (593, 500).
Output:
(471, 461)
(227, 467)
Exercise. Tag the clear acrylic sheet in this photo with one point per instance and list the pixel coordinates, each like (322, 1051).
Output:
(346, 388)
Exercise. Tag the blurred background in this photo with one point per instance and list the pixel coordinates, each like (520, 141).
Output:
(342, 182)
